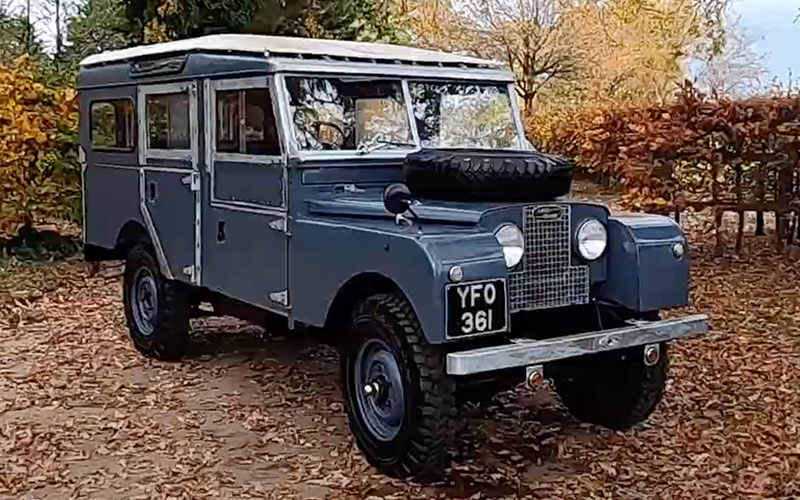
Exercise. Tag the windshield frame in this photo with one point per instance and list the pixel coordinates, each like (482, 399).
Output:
(294, 150)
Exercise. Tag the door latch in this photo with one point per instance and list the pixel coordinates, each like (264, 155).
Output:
(190, 272)
(192, 180)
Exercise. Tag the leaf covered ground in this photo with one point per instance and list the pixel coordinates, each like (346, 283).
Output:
(250, 414)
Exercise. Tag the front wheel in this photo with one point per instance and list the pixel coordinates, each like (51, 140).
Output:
(615, 389)
(398, 397)
(157, 310)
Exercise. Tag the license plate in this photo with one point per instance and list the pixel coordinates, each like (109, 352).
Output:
(476, 308)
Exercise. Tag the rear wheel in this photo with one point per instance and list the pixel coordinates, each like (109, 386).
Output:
(157, 310)
(615, 389)
(398, 397)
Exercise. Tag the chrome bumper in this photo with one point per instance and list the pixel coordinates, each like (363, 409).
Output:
(526, 352)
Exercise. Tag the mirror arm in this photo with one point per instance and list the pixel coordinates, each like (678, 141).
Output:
(402, 220)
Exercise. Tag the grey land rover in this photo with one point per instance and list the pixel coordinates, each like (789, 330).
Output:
(388, 196)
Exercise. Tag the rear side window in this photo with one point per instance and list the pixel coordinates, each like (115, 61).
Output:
(246, 122)
(168, 121)
(113, 124)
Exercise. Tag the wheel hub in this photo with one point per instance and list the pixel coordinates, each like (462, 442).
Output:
(381, 397)
(144, 301)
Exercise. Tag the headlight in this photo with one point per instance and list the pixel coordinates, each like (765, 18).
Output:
(591, 239)
(510, 238)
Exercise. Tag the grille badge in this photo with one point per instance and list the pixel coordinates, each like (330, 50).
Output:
(546, 278)
(548, 212)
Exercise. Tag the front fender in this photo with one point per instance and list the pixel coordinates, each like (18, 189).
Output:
(327, 253)
(644, 272)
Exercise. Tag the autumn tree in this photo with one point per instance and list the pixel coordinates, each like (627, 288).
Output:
(39, 172)
(736, 70)
(575, 53)
(530, 35)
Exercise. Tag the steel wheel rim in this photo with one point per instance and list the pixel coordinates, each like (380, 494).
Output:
(144, 301)
(382, 408)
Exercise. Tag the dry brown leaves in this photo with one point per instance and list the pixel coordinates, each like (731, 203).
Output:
(248, 415)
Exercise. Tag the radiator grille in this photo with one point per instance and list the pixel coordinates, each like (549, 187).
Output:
(545, 278)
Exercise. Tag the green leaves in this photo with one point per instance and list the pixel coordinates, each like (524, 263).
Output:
(370, 20)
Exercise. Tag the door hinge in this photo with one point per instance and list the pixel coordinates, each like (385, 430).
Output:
(192, 180)
(281, 297)
(278, 225)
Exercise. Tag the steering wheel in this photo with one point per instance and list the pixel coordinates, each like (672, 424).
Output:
(317, 127)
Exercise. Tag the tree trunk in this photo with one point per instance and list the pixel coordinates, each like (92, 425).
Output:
(58, 28)
(28, 28)
(528, 100)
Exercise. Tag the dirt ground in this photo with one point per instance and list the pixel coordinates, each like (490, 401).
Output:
(255, 415)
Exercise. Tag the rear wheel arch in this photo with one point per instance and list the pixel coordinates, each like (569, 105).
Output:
(131, 234)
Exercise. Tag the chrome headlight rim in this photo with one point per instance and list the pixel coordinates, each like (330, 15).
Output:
(591, 239)
(512, 240)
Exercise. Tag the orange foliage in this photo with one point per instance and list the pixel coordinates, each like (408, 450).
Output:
(39, 172)
(696, 152)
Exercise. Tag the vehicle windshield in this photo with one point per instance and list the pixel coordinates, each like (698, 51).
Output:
(348, 114)
(463, 115)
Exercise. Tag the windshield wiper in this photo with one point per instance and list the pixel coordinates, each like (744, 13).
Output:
(381, 144)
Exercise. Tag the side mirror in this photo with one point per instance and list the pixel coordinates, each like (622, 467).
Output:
(397, 198)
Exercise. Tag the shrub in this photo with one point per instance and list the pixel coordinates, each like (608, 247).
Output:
(39, 168)
(696, 152)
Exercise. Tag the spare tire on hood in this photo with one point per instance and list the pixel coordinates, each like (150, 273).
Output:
(487, 175)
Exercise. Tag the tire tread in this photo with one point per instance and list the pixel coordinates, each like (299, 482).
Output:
(168, 341)
(426, 451)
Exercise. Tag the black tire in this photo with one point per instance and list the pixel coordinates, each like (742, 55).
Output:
(614, 389)
(467, 175)
(419, 444)
(162, 333)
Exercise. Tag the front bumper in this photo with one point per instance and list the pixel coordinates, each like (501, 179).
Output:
(527, 352)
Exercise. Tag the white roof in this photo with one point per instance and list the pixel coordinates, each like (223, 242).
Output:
(289, 46)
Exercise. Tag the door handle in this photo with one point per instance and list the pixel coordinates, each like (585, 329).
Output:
(152, 191)
(221, 232)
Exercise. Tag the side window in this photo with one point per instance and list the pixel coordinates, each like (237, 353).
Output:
(228, 121)
(113, 124)
(168, 121)
(246, 122)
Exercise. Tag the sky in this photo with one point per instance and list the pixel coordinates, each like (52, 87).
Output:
(771, 25)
